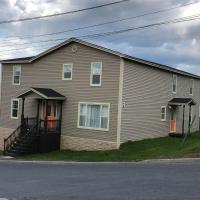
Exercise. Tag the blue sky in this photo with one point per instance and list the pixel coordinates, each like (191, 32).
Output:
(177, 45)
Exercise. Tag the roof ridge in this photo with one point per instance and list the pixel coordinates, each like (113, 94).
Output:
(73, 39)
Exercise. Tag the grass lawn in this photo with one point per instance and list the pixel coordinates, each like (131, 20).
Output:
(166, 147)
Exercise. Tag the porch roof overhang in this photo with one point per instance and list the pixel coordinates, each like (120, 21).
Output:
(44, 93)
(182, 101)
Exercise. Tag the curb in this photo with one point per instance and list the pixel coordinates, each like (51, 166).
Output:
(152, 161)
(176, 160)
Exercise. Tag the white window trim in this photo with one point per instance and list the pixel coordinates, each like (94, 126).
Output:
(14, 75)
(163, 120)
(12, 109)
(192, 87)
(67, 79)
(174, 92)
(91, 75)
(94, 103)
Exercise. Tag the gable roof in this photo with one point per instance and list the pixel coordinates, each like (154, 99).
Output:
(131, 58)
(45, 93)
(180, 101)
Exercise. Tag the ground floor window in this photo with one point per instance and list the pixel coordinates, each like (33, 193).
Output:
(163, 113)
(94, 116)
(14, 108)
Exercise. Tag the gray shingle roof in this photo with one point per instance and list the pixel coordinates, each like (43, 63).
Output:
(45, 93)
(176, 101)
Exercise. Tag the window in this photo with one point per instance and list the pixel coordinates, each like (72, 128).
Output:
(174, 84)
(191, 86)
(94, 116)
(67, 71)
(14, 108)
(163, 113)
(96, 71)
(16, 74)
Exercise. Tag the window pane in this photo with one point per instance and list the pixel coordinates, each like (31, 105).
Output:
(93, 116)
(191, 86)
(174, 83)
(191, 91)
(104, 112)
(163, 113)
(96, 68)
(104, 117)
(83, 113)
(17, 70)
(16, 79)
(82, 120)
(14, 113)
(15, 104)
(67, 70)
(83, 109)
(96, 79)
(67, 74)
(174, 88)
(96, 73)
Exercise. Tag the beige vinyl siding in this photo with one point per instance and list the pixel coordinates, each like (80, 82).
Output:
(145, 90)
(47, 72)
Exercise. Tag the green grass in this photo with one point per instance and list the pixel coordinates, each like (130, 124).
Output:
(166, 147)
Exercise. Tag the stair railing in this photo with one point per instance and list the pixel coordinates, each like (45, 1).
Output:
(17, 133)
(25, 128)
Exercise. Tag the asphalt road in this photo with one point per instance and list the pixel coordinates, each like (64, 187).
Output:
(155, 181)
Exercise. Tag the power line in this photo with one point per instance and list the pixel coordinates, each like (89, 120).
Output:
(100, 24)
(63, 13)
(178, 20)
(173, 21)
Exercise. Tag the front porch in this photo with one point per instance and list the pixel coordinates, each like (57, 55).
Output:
(42, 132)
(185, 119)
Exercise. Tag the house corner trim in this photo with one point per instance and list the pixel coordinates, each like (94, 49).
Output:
(121, 77)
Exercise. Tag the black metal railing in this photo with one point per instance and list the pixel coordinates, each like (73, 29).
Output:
(30, 122)
(17, 133)
(28, 127)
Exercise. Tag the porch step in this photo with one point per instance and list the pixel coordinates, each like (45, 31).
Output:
(22, 145)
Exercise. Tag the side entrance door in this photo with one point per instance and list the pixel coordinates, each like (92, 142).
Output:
(172, 122)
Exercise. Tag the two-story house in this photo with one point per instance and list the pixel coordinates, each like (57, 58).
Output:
(78, 95)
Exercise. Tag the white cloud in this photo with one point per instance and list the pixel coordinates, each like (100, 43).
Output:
(177, 45)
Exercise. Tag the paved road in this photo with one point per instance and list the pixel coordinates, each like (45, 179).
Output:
(19, 181)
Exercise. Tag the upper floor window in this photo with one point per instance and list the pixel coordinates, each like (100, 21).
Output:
(16, 74)
(96, 73)
(163, 113)
(191, 86)
(14, 108)
(94, 116)
(174, 84)
(67, 71)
